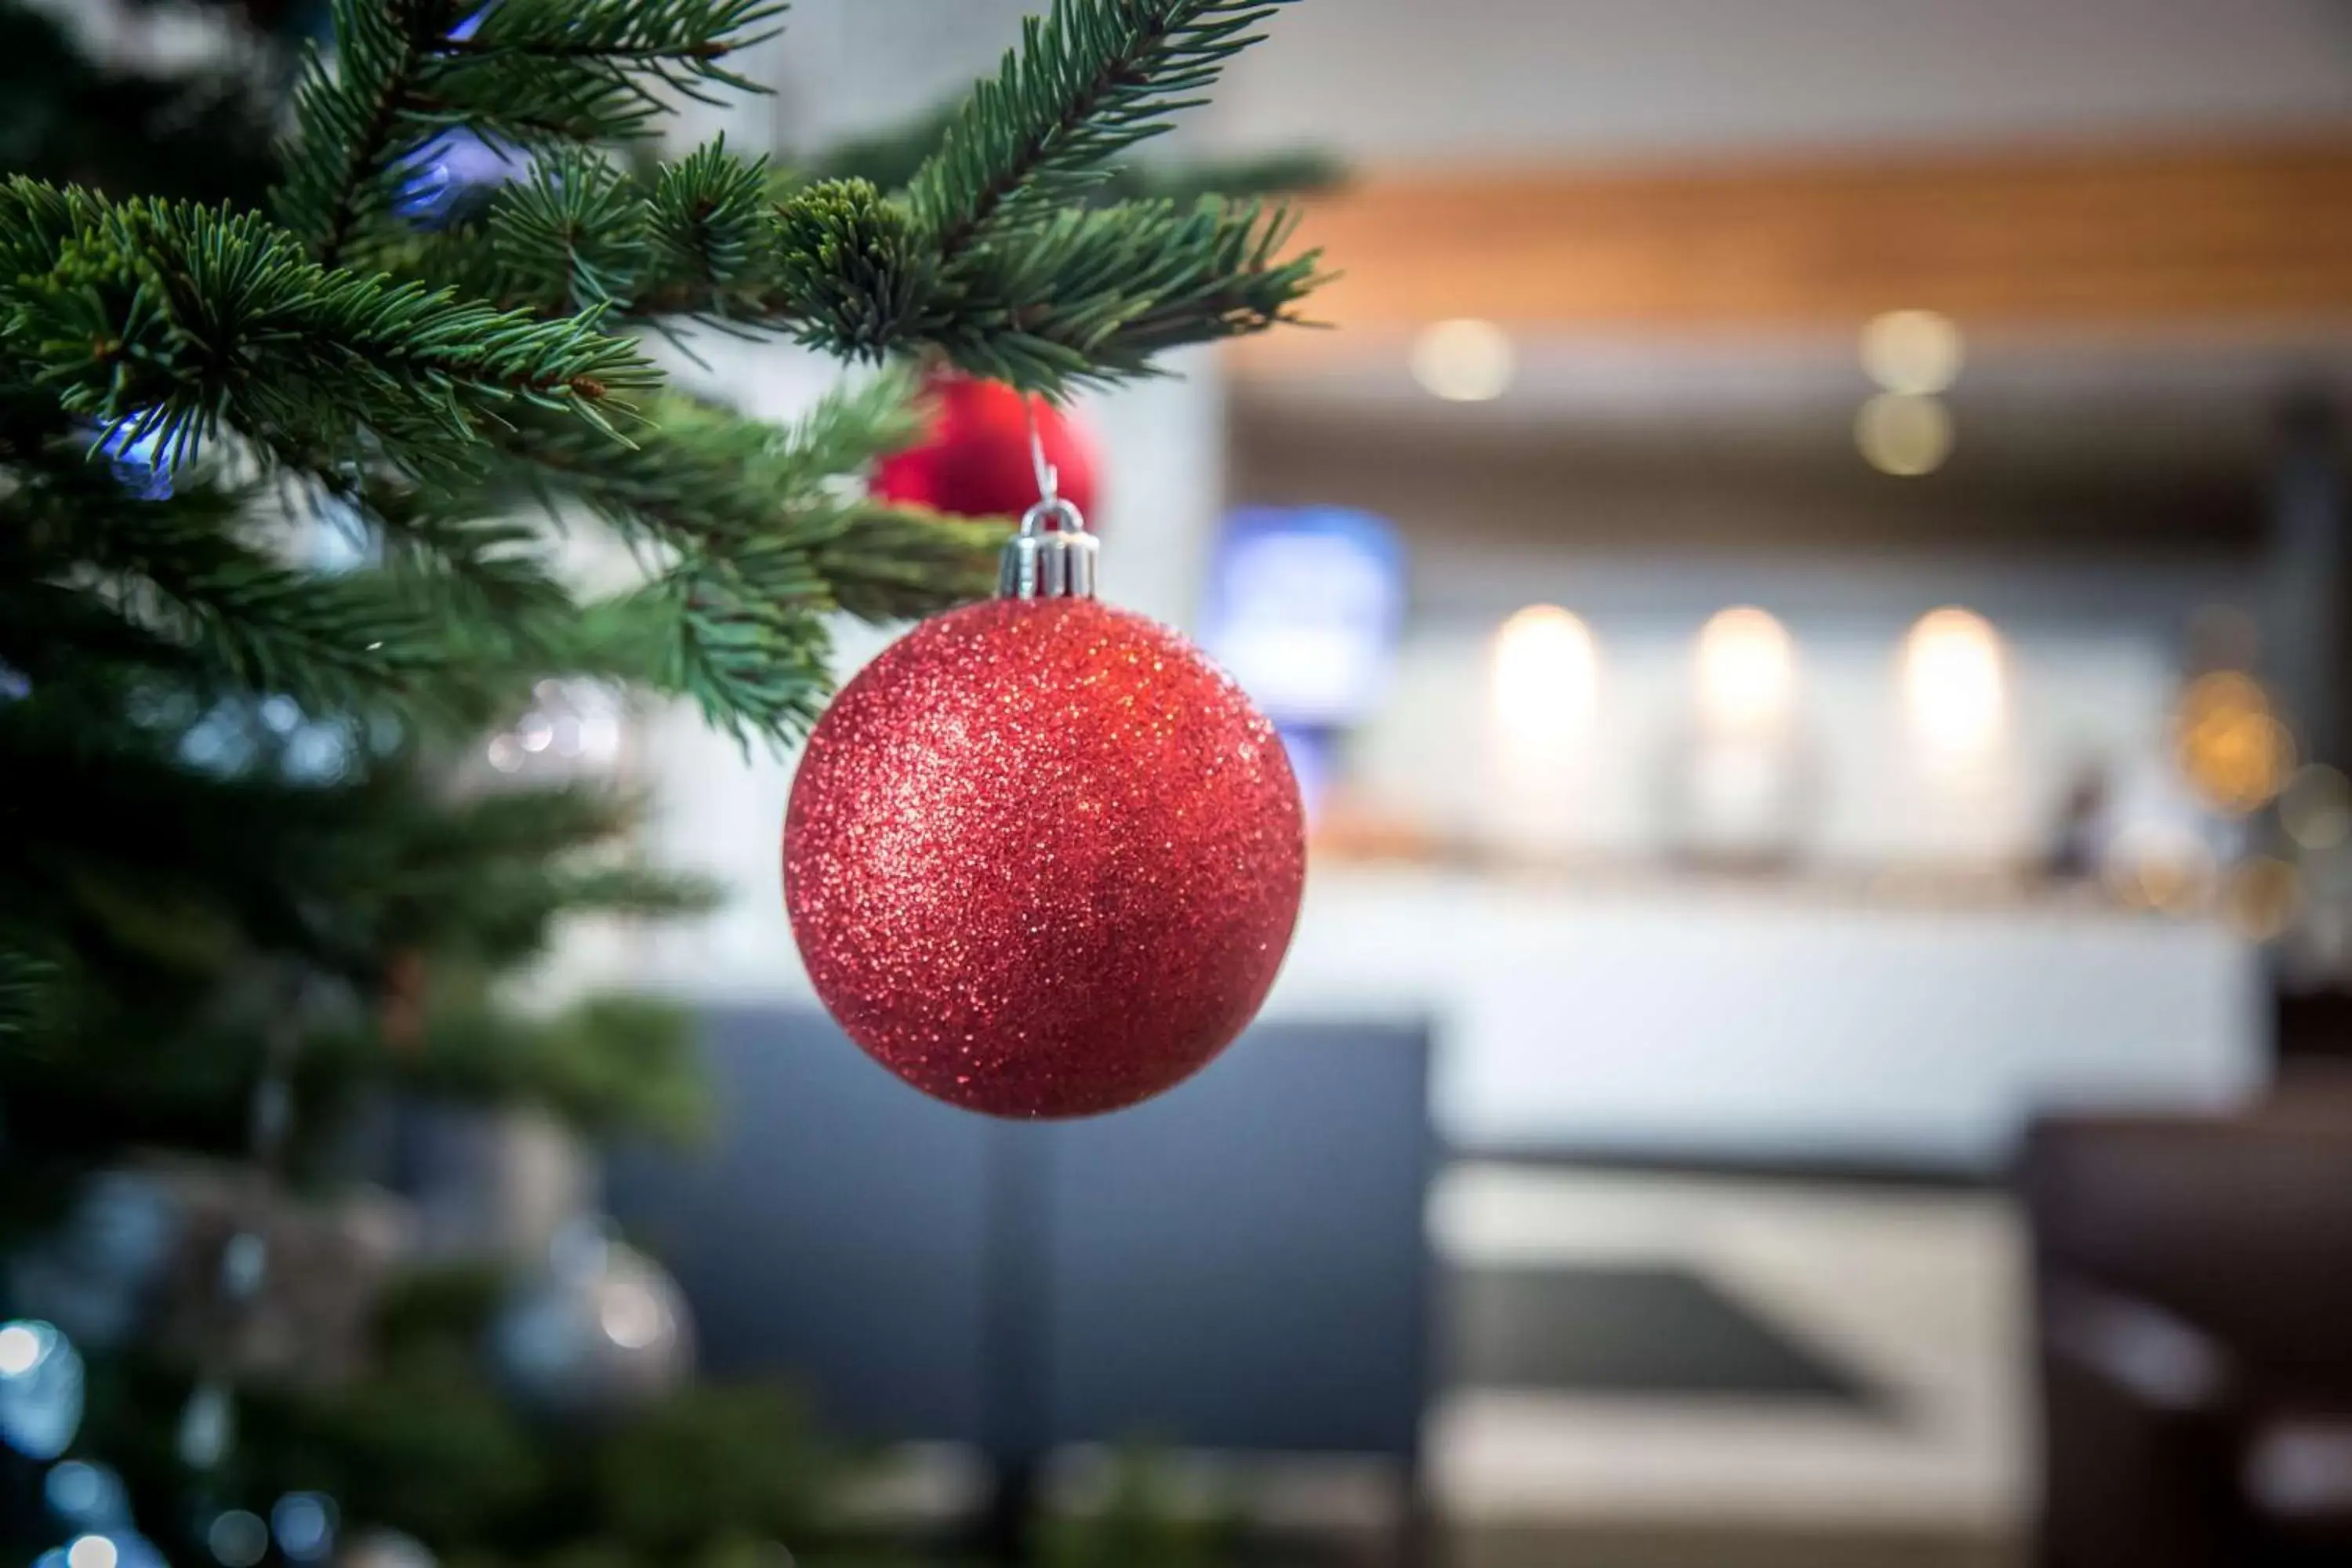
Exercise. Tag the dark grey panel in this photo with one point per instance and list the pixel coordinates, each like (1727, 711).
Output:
(830, 1230)
(1238, 1264)
(1243, 1263)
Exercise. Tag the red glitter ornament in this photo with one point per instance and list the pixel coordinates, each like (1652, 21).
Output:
(1043, 858)
(975, 459)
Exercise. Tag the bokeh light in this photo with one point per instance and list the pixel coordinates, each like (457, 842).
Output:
(2259, 896)
(1955, 686)
(1544, 681)
(2164, 868)
(1463, 360)
(1915, 351)
(237, 1539)
(1746, 668)
(304, 1525)
(1904, 433)
(2315, 807)
(2231, 749)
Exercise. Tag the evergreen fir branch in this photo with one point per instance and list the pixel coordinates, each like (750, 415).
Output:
(495, 569)
(1090, 79)
(1092, 297)
(571, 236)
(643, 48)
(701, 475)
(347, 116)
(891, 563)
(25, 980)
(854, 277)
(755, 666)
(167, 321)
(481, 880)
(527, 72)
(890, 160)
(607, 1065)
(712, 235)
(323, 641)
(176, 575)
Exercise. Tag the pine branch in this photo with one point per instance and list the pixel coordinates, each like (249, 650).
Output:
(713, 236)
(175, 573)
(892, 564)
(168, 322)
(891, 159)
(607, 1065)
(634, 49)
(1093, 296)
(1090, 79)
(756, 667)
(529, 73)
(25, 979)
(572, 236)
(346, 116)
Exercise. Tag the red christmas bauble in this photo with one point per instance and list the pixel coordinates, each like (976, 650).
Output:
(1043, 858)
(974, 459)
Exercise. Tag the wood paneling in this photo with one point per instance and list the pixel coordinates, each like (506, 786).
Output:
(2109, 237)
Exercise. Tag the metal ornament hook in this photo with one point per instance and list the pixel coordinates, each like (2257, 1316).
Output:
(1043, 561)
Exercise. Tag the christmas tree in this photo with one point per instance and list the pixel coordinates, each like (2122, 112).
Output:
(298, 697)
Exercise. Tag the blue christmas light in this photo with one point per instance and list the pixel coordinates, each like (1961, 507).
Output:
(141, 451)
(304, 1523)
(438, 176)
(86, 1496)
(40, 1389)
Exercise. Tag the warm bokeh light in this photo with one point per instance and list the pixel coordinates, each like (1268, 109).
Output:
(1904, 433)
(1746, 668)
(2259, 896)
(1954, 683)
(2164, 868)
(1463, 360)
(2315, 807)
(1544, 682)
(1912, 352)
(2231, 747)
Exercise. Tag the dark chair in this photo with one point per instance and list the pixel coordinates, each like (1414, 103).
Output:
(2194, 1284)
(1241, 1264)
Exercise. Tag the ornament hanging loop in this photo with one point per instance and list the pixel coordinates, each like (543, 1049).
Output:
(1043, 561)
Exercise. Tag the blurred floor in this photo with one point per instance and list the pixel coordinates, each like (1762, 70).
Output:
(1869, 1407)
(1655, 1371)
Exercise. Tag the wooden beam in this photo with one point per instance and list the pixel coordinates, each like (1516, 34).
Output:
(2102, 237)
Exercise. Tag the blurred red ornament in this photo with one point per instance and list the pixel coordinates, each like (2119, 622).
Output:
(1043, 858)
(974, 460)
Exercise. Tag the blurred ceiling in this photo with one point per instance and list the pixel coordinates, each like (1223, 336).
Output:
(1411, 82)
(2079, 443)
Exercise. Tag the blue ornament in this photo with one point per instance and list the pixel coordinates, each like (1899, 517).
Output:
(438, 179)
(144, 454)
(40, 1389)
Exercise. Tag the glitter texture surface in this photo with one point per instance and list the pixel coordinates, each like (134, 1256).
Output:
(1043, 858)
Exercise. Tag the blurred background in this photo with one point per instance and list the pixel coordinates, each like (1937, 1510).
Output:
(1806, 578)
